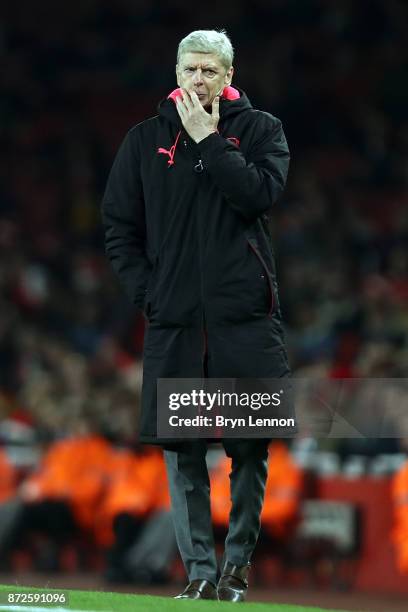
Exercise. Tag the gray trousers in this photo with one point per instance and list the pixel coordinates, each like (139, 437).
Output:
(189, 486)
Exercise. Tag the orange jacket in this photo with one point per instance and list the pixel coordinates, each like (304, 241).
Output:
(282, 494)
(138, 486)
(400, 527)
(283, 491)
(8, 478)
(76, 470)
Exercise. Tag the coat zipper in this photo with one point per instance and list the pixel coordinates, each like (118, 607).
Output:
(264, 266)
(199, 168)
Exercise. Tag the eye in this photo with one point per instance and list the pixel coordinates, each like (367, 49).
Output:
(209, 72)
(189, 69)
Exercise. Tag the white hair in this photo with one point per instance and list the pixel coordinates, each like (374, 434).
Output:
(208, 41)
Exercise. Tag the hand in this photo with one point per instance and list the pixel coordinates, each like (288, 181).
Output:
(197, 122)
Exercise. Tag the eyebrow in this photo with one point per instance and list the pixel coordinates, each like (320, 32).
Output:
(208, 67)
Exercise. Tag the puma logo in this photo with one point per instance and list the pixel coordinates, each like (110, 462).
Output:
(170, 152)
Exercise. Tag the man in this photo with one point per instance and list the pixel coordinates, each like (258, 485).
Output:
(185, 215)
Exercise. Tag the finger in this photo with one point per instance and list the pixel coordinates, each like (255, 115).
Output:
(181, 104)
(194, 98)
(215, 109)
(181, 109)
(187, 100)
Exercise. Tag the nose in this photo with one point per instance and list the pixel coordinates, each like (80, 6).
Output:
(197, 77)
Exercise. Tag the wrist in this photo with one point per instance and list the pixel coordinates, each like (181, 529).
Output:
(201, 137)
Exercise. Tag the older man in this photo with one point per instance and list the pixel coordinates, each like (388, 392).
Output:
(186, 220)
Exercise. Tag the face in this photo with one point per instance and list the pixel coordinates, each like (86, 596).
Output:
(205, 74)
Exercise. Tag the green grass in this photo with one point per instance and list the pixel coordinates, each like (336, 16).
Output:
(118, 602)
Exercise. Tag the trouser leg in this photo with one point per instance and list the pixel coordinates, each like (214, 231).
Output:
(191, 511)
(247, 481)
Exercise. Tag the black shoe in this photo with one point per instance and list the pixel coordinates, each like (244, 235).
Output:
(233, 584)
(199, 589)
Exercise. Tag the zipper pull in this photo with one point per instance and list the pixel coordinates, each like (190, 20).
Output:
(199, 167)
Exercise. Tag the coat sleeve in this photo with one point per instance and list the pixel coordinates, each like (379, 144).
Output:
(251, 183)
(123, 217)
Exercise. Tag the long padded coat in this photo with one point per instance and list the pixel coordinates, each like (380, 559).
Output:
(186, 231)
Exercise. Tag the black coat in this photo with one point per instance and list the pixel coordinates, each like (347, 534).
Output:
(186, 231)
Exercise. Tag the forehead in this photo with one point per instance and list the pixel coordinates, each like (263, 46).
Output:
(201, 60)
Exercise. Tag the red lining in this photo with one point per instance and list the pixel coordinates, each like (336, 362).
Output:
(228, 93)
(234, 140)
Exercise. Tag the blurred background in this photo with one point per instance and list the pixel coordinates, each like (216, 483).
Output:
(79, 498)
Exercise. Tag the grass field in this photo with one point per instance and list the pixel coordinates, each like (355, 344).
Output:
(118, 602)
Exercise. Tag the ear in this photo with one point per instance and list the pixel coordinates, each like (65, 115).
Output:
(228, 76)
(177, 75)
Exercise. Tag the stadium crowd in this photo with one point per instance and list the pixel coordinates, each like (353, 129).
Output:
(75, 79)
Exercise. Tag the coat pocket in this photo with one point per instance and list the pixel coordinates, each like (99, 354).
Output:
(253, 245)
(147, 304)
